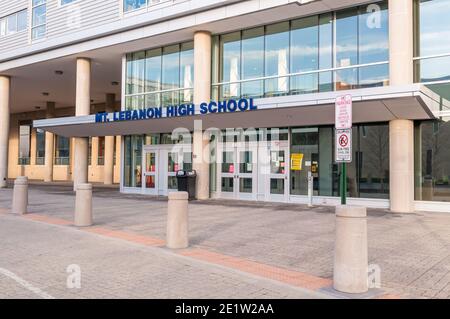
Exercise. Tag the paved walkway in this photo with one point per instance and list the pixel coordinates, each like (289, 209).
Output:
(289, 244)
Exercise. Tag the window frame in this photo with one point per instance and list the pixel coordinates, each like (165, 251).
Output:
(5, 20)
(33, 27)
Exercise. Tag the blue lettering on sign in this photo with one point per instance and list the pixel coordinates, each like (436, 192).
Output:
(226, 106)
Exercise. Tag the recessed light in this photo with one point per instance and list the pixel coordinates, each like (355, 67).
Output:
(114, 83)
(45, 93)
(59, 72)
(37, 107)
(92, 101)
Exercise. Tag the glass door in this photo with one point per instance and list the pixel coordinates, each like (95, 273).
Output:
(274, 158)
(237, 176)
(245, 178)
(226, 162)
(150, 175)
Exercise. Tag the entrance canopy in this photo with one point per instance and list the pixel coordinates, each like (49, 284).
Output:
(369, 105)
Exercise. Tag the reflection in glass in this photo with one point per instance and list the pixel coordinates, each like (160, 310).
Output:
(373, 76)
(230, 45)
(277, 59)
(346, 79)
(153, 70)
(432, 27)
(170, 69)
(172, 183)
(252, 61)
(346, 38)
(373, 32)
(431, 161)
(433, 69)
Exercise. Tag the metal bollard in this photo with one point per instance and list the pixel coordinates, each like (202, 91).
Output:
(83, 205)
(177, 220)
(20, 195)
(350, 254)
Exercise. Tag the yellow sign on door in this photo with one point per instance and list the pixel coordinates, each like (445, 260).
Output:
(296, 161)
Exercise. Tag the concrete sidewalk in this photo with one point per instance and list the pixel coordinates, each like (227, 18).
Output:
(290, 243)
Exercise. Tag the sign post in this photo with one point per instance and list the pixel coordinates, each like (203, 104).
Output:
(343, 130)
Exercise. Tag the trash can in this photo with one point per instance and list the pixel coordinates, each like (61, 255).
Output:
(186, 182)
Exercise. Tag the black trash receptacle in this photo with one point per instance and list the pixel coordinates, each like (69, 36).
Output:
(191, 183)
(186, 182)
(182, 181)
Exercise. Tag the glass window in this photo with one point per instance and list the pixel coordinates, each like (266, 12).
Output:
(24, 144)
(11, 24)
(40, 147)
(133, 161)
(347, 38)
(62, 150)
(304, 54)
(63, 2)
(187, 72)
(277, 59)
(171, 74)
(433, 69)
(129, 5)
(373, 33)
(321, 53)
(230, 65)
(432, 27)
(101, 151)
(153, 70)
(304, 141)
(252, 61)
(39, 19)
(22, 20)
(432, 167)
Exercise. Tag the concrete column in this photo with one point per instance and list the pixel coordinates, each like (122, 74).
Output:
(202, 93)
(350, 254)
(177, 221)
(401, 157)
(20, 195)
(5, 84)
(401, 42)
(83, 206)
(82, 107)
(49, 146)
(108, 175)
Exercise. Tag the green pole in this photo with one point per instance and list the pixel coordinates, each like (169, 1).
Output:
(344, 184)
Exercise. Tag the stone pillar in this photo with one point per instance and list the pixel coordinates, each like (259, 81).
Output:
(401, 131)
(20, 196)
(202, 93)
(5, 84)
(177, 221)
(49, 146)
(82, 107)
(401, 157)
(83, 206)
(401, 42)
(350, 273)
(108, 175)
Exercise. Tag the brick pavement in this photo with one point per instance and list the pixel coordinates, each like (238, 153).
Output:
(413, 251)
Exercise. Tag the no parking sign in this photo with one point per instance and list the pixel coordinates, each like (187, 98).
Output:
(344, 146)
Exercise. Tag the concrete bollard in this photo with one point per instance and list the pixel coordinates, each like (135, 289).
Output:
(20, 195)
(83, 205)
(350, 254)
(177, 221)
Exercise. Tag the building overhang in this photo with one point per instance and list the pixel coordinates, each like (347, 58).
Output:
(414, 102)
